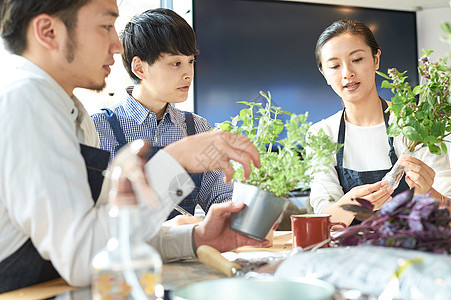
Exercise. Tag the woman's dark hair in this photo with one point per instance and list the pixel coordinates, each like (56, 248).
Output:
(16, 15)
(153, 33)
(345, 26)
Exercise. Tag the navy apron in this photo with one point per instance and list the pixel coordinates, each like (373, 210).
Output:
(189, 202)
(25, 266)
(351, 178)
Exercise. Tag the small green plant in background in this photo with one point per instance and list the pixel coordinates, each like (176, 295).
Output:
(423, 113)
(291, 167)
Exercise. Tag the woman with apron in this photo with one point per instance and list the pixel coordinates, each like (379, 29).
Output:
(348, 55)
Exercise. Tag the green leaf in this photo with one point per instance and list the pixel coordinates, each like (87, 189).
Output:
(446, 27)
(427, 52)
(411, 121)
(411, 133)
(245, 103)
(420, 115)
(444, 147)
(407, 112)
(225, 127)
(245, 113)
(424, 132)
(434, 149)
(437, 129)
(430, 140)
(386, 84)
(393, 130)
(417, 89)
(383, 75)
(397, 105)
(276, 128)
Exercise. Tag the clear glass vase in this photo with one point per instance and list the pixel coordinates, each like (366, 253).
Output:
(127, 268)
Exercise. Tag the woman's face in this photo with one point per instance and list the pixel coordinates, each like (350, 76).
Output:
(349, 67)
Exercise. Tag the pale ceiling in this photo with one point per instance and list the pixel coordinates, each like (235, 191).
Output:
(408, 5)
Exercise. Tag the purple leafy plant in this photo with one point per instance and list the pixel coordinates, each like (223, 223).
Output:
(406, 221)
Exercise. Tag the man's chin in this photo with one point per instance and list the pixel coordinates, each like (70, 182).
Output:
(97, 87)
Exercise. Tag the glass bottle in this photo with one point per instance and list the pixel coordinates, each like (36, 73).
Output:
(127, 268)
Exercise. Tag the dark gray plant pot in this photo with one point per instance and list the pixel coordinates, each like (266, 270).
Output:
(263, 209)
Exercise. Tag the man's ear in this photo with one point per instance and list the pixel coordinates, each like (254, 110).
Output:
(137, 67)
(43, 30)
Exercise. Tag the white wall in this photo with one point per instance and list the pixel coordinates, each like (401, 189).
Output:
(428, 30)
(407, 5)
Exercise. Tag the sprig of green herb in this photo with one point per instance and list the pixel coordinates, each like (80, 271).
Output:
(423, 113)
(290, 167)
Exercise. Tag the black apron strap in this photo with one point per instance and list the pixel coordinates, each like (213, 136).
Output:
(341, 139)
(96, 161)
(117, 130)
(189, 203)
(189, 120)
(391, 152)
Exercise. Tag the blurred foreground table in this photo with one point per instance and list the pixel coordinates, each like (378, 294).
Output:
(175, 274)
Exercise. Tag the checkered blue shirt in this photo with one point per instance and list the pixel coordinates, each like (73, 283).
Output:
(138, 122)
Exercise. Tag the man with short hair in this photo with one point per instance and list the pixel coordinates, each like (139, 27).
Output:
(159, 49)
(50, 167)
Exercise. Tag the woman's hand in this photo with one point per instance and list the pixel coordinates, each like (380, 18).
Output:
(377, 193)
(418, 175)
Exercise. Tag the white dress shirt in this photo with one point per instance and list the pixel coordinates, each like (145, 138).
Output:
(44, 190)
(366, 149)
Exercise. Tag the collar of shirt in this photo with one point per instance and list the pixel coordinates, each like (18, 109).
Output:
(86, 131)
(138, 112)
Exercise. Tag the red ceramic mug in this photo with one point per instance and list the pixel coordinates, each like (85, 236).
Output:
(311, 229)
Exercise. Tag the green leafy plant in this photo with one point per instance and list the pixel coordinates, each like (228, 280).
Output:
(423, 113)
(291, 166)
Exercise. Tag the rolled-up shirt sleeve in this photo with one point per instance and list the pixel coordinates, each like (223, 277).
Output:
(174, 242)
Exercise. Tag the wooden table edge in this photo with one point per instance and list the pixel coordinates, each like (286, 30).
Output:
(39, 291)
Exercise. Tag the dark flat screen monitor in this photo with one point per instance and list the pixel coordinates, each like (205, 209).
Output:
(250, 46)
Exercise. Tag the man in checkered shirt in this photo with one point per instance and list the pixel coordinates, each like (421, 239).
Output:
(159, 48)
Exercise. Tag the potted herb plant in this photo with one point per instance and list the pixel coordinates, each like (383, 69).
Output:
(423, 113)
(265, 192)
